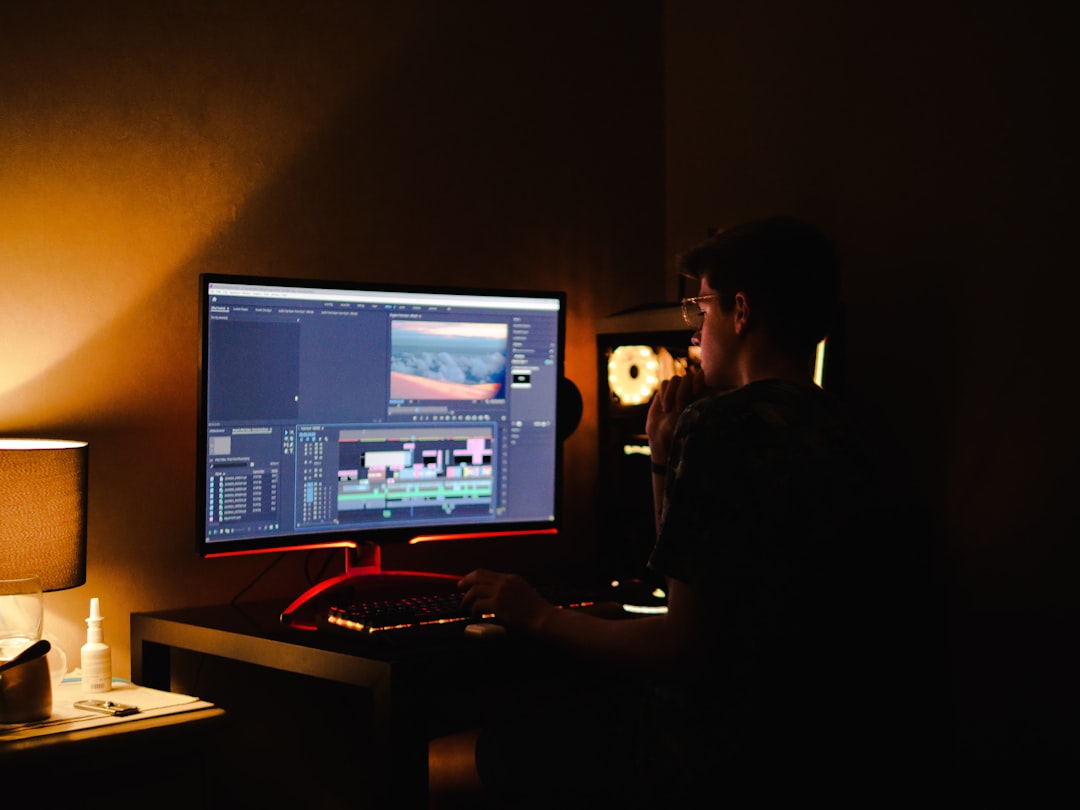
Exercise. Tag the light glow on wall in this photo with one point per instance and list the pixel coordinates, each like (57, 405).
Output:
(123, 152)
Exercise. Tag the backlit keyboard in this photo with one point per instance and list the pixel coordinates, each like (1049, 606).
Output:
(410, 614)
(401, 613)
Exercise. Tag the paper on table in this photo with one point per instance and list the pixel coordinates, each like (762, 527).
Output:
(65, 716)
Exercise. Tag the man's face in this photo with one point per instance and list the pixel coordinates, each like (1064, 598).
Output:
(718, 341)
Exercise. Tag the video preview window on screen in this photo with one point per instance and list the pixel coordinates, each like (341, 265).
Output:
(446, 360)
(328, 415)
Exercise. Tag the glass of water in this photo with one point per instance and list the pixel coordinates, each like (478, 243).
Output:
(21, 612)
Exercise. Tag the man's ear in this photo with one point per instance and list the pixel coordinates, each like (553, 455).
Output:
(741, 315)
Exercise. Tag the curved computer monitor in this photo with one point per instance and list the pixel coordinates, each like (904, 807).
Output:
(346, 414)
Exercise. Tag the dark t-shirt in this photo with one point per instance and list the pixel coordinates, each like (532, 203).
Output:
(774, 509)
(761, 475)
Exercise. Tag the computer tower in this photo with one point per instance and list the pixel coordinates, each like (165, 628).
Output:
(636, 350)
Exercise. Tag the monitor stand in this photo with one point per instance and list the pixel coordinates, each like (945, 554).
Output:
(363, 569)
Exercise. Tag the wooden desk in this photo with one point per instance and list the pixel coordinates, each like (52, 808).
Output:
(404, 687)
(98, 742)
(120, 764)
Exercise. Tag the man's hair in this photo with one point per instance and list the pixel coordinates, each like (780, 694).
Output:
(788, 270)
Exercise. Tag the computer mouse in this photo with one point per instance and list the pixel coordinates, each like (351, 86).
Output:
(484, 630)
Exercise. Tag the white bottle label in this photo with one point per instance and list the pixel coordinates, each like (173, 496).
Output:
(96, 671)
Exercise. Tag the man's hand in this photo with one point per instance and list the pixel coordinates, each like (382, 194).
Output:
(668, 402)
(512, 600)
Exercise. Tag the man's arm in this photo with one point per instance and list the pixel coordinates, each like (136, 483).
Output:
(669, 401)
(661, 643)
(658, 644)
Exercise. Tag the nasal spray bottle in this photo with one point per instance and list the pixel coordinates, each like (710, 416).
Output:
(96, 655)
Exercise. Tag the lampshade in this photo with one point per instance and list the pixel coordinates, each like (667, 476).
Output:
(43, 511)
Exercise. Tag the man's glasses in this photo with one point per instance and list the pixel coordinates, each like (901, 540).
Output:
(692, 313)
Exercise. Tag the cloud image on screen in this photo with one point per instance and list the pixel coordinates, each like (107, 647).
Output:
(448, 360)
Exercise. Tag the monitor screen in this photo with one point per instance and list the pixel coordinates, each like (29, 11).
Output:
(333, 413)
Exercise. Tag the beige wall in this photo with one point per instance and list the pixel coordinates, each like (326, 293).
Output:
(483, 143)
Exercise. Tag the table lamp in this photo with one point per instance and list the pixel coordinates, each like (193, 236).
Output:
(42, 548)
(43, 511)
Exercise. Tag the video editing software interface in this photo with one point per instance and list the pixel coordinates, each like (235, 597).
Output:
(330, 409)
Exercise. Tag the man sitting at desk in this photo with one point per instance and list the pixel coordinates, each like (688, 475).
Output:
(776, 664)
